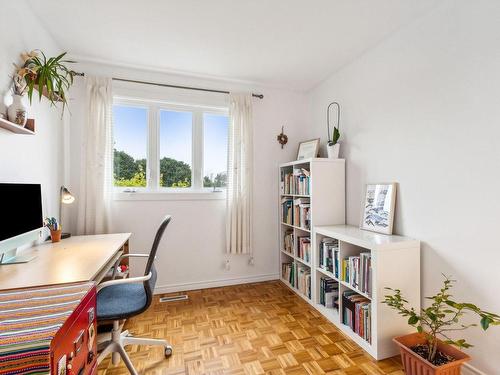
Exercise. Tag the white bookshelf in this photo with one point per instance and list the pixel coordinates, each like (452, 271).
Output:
(395, 260)
(395, 263)
(327, 206)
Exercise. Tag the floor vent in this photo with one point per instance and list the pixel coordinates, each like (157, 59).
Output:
(182, 297)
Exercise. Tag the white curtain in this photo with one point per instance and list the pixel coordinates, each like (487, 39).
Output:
(240, 176)
(96, 163)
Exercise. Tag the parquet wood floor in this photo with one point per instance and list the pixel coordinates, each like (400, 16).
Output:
(261, 328)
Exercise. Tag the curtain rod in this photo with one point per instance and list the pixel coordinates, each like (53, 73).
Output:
(260, 96)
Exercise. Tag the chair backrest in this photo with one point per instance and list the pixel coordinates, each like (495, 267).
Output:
(149, 285)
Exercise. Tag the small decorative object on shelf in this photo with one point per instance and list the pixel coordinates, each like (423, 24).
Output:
(17, 112)
(49, 76)
(422, 352)
(308, 149)
(333, 145)
(54, 227)
(378, 208)
(282, 138)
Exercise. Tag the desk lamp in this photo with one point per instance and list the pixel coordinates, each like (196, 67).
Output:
(67, 198)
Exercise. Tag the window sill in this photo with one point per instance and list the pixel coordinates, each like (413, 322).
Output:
(145, 195)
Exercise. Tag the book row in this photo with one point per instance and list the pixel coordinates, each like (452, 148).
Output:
(329, 256)
(357, 314)
(288, 240)
(329, 293)
(288, 272)
(304, 248)
(296, 182)
(357, 271)
(304, 281)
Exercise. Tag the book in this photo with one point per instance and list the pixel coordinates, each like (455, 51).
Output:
(357, 313)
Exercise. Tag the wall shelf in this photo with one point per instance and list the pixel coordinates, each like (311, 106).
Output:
(14, 128)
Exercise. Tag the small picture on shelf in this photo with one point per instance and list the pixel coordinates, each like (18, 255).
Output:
(378, 208)
(308, 149)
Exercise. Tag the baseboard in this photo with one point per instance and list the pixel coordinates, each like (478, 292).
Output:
(470, 370)
(161, 289)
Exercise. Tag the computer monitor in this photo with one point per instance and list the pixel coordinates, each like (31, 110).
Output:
(21, 220)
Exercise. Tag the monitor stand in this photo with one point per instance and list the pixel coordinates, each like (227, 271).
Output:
(16, 259)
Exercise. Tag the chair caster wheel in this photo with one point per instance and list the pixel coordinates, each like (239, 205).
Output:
(168, 351)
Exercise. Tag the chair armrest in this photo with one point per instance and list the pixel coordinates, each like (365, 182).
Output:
(130, 280)
(123, 256)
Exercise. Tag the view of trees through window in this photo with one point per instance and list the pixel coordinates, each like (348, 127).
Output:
(175, 148)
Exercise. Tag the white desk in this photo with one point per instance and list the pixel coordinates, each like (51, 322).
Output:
(75, 259)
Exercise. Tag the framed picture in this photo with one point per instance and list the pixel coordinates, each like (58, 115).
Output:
(308, 149)
(378, 207)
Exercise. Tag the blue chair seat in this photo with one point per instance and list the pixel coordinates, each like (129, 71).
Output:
(121, 301)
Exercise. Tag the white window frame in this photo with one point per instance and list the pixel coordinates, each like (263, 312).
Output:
(153, 190)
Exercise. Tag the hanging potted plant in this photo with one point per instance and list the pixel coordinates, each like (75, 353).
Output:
(49, 76)
(333, 145)
(423, 352)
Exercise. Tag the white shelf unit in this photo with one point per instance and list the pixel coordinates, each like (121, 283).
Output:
(395, 263)
(327, 206)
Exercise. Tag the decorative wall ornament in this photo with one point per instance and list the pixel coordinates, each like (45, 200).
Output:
(282, 138)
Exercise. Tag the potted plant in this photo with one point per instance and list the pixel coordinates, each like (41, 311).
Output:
(54, 227)
(423, 352)
(49, 76)
(333, 145)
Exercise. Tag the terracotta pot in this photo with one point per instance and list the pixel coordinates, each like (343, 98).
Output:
(416, 365)
(55, 235)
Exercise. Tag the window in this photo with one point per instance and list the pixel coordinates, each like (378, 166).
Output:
(215, 131)
(160, 147)
(130, 146)
(176, 149)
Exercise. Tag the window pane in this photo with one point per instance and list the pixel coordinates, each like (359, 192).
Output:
(175, 148)
(215, 131)
(130, 145)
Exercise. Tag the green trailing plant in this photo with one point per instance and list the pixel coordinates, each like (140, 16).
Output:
(441, 317)
(51, 76)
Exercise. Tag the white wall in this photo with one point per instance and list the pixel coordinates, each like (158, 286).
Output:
(422, 109)
(29, 158)
(192, 254)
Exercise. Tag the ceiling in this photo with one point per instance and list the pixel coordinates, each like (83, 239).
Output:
(292, 44)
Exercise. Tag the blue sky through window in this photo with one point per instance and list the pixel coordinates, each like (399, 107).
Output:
(215, 131)
(131, 130)
(176, 135)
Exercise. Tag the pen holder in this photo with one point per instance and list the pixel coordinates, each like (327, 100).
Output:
(55, 235)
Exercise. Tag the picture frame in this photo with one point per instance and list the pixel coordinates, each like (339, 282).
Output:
(378, 207)
(308, 149)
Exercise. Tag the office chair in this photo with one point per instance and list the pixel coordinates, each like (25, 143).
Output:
(124, 298)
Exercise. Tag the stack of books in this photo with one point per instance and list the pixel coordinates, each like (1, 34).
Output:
(288, 241)
(357, 271)
(296, 182)
(304, 281)
(301, 181)
(329, 293)
(304, 248)
(288, 272)
(329, 256)
(302, 213)
(357, 313)
(287, 210)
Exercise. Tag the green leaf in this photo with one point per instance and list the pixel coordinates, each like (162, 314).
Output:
(413, 320)
(485, 322)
